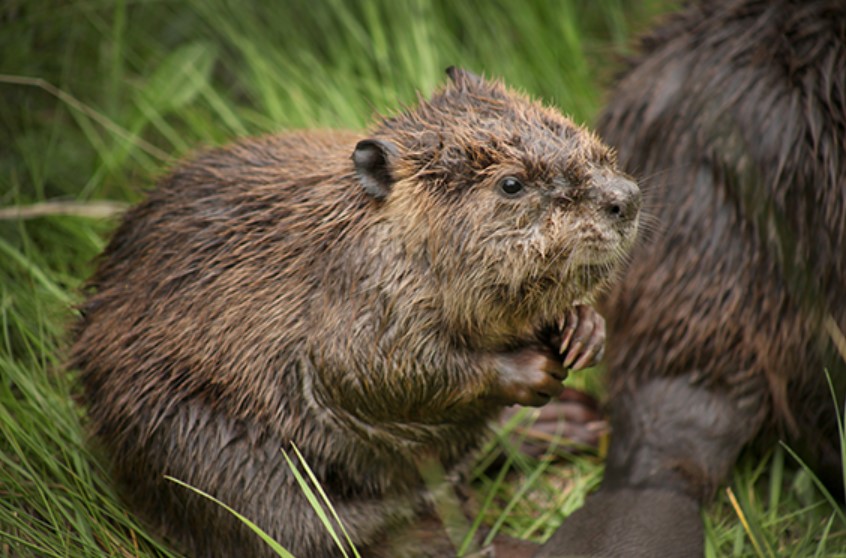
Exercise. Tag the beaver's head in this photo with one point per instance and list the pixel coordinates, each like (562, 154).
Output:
(515, 211)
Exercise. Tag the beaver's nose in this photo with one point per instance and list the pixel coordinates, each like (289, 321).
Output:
(620, 197)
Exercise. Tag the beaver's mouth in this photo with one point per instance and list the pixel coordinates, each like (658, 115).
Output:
(600, 256)
(589, 267)
(603, 245)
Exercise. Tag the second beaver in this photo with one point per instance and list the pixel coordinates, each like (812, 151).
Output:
(374, 300)
(721, 330)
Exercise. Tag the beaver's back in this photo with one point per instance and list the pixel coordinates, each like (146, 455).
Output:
(195, 346)
(216, 270)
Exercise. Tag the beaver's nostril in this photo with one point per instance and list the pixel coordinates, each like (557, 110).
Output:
(623, 199)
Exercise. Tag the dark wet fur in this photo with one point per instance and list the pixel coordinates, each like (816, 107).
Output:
(735, 116)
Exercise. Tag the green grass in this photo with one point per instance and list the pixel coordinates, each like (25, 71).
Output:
(98, 97)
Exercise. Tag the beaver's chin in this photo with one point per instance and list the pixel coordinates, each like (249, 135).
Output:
(594, 274)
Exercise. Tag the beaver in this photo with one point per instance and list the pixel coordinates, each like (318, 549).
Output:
(721, 330)
(374, 300)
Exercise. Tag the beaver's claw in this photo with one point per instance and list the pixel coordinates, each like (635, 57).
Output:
(581, 337)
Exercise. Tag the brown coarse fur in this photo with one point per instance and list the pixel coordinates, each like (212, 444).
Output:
(734, 118)
(279, 291)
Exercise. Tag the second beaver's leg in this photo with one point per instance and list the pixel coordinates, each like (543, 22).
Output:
(673, 442)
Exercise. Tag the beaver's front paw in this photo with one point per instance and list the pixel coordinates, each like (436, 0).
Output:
(580, 338)
(530, 376)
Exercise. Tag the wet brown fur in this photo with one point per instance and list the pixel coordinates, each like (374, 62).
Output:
(260, 297)
(734, 119)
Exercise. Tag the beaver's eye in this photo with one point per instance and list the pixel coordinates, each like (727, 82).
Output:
(510, 187)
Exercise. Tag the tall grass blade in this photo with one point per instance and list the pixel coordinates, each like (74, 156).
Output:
(315, 504)
(818, 483)
(277, 548)
(325, 498)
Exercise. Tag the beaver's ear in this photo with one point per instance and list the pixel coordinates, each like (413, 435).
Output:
(373, 163)
(463, 78)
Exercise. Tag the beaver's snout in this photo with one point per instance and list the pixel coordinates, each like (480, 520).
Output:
(620, 198)
(615, 197)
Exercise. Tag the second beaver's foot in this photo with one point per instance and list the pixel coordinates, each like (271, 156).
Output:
(674, 442)
(580, 337)
(630, 522)
(570, 422)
